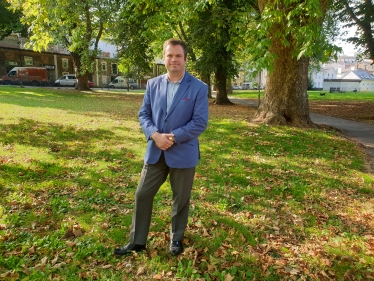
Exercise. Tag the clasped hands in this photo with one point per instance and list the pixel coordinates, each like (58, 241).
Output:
(163, 141)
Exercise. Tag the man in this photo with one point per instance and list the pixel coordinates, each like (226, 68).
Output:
(173, 114)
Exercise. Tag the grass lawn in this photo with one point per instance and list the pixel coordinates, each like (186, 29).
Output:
(351, 106)
(269, 203)
(313, 95)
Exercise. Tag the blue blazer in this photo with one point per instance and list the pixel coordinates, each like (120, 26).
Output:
(187, 119)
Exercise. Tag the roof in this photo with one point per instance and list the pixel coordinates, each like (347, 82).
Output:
(358, 74)
(342, 80)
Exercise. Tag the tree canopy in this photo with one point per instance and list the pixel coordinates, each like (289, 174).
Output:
(77, 25)
(290, 32)
(10, 21)
(280, 36)
(359, 14)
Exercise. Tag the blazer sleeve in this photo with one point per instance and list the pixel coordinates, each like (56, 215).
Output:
(145, 114)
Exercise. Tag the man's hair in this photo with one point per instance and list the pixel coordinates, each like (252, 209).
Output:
(176, 42)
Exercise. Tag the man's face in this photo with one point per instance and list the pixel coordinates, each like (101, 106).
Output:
(174, 59)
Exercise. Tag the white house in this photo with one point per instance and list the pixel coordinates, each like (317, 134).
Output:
(326, 72)
(359, 80)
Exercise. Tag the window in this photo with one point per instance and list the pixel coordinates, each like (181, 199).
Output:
(29, 61)
(65, 63)
(114, 68)
(103, 66)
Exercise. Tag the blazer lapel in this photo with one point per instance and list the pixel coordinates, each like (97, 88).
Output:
(163, 93)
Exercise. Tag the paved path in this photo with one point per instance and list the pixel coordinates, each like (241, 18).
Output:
(360, 132)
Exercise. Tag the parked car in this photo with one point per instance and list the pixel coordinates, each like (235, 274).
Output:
(246, 86)
(133, 85)
(69, 80)
(66, 80)
(26, 75)
(236, 87)
(121, 82)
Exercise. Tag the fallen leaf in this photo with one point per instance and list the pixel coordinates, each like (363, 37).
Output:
(205, 233)
(54, 261)
(77, 232)
(31, 250)
(228, 277)
(44, 260)
(141, 271)
(189, 250)
(70, 243)
(69, 234)
(59, 265)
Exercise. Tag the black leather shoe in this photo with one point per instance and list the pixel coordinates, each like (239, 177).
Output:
(176, 247)
(128, 249)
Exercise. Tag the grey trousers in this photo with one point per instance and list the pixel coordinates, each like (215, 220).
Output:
(152, 177)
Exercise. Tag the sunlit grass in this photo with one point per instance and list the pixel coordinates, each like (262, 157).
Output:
(312, 95)
(269, 203)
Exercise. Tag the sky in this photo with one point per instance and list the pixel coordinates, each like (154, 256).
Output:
(107, 47)
(347, 47)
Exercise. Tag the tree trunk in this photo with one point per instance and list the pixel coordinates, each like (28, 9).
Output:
(82, 80)
(206, 79)
(221, 96)
(285, 100)
(209, 88)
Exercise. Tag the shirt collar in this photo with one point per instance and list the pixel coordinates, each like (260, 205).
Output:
(178, 82)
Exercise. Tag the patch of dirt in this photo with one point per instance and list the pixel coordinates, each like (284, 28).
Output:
(350, 110)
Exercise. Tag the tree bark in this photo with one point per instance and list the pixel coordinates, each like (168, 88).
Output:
(82, 80)
(221, 96)
(285, 101)
(206, 79)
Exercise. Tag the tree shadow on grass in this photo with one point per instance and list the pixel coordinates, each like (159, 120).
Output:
(92, 104)
(45, 160)
(264, 201)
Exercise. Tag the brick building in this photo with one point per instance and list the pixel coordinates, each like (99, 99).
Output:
(56, 60)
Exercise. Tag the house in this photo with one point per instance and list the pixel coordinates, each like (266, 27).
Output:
(57, 60)
(360, 80)
(246, 78)
(326, 72)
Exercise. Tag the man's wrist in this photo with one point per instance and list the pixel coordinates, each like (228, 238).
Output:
(151, 136)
